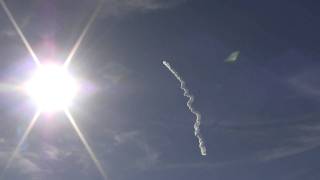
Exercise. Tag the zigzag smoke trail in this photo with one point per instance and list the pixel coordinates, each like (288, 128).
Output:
(192, 110)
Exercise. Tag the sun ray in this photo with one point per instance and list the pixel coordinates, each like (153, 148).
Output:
(86, 145)
(17, 28)
(22, 140)
(83, 34)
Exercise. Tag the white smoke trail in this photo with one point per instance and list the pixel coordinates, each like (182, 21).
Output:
(192, 110)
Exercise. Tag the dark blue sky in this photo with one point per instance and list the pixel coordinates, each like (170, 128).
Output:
(260, 117)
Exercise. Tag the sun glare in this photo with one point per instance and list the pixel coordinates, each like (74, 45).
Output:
(52, 88)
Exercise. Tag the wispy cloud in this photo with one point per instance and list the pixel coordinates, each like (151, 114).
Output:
(121, 8)
(286, 151)
(146, 4)
(27, 165)
(24, 164)
(124, 137)
(196, 165)
(109, 8)
(146, 156)
(306, 82)
(40, 162)
(150, 159)
(306, 139)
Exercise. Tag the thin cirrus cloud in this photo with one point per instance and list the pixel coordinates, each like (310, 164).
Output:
(306, 140)
(306, 82)
(116, 8)
(149, 4)
(24, 165)
(287, 151)
(113, 8)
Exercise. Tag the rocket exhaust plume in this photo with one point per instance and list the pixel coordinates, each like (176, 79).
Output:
(192, 110)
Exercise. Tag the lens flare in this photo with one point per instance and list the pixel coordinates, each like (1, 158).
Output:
(83, 34)
(22, 140)
(86, 145)
(17, 28)
(52, 88)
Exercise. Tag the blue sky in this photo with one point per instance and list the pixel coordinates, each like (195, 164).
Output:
(259, 114)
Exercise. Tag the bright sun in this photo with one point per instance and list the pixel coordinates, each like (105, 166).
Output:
(52, 88)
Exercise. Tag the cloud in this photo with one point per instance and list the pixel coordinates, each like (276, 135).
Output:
(147, 4)
(121, 8)
(53, 153)
(307, 82)
(109, 8)
(141, 156)
(124, 137)
(306, 139)
(286, 151)
(43, 161)
(150, 159)
(197, 165)
(10, 32)
(25, 164)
